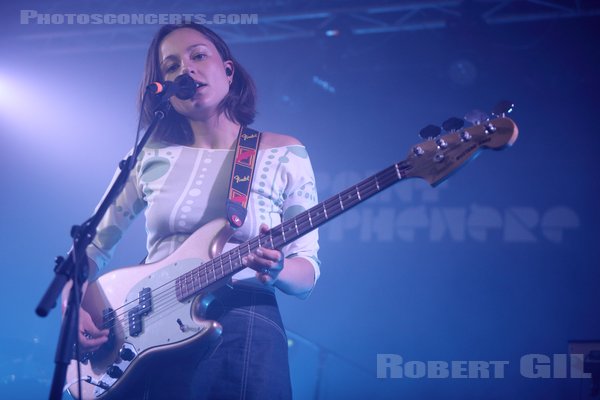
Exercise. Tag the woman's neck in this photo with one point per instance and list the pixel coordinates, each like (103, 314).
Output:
(214, 133)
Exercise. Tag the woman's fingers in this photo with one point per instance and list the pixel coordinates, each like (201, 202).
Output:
(90, 337)
(90, 343)
(264, 259)
(267, 263)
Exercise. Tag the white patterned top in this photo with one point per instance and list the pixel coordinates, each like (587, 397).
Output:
(182, 188)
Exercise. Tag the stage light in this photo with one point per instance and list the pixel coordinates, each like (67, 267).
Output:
(30, 110)
(15, 106)
(5, 91)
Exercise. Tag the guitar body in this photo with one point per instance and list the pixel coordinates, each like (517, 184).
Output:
(170, 336)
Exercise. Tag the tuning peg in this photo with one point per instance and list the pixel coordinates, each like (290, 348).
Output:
(453, 124)
(430, 131)
(476, 117)
(503, 108)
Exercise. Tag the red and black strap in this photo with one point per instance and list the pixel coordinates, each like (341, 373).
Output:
(242, 173)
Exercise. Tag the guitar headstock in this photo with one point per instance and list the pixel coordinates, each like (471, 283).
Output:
(435, 159)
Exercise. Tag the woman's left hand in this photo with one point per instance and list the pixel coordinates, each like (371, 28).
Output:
(267, 263)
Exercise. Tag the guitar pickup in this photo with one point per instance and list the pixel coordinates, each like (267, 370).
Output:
(145, 301)
(134, 316)
(108, 321)
(134, 319)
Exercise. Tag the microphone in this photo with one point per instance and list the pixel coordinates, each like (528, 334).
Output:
(183, 87)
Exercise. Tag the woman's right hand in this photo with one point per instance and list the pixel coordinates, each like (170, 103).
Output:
(90, 337)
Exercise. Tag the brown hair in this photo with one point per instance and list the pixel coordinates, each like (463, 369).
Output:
(238, 105)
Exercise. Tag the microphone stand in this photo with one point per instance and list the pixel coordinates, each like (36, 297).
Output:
(75, 266)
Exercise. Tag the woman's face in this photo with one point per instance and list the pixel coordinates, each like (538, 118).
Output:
(187, 51)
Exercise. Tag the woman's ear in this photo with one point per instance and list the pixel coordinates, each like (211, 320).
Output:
(228, 68)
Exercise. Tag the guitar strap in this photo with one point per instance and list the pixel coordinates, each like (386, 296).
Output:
(242, 173)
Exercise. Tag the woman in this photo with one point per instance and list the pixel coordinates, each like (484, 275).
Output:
(181, 180)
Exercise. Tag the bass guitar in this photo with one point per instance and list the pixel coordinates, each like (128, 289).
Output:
(154, 311)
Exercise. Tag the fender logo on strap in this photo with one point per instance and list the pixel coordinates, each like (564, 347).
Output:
(239, 179)
(248, 137)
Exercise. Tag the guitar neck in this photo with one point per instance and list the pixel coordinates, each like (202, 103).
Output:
(432, 160)
(336, 205)
(230, 262)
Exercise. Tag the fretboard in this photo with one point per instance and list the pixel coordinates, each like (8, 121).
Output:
(230, 262)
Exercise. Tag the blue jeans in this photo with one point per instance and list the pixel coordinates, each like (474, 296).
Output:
(251, 361)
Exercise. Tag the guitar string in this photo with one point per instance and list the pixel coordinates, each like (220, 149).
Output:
(159, 304)
(335, 207)
(198, 274)
(182, 277)
(159, 297)
(366, 184)
(168, 289)
(366, 188)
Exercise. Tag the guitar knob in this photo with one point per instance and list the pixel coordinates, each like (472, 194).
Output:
(126, 354)
(418, 151)
(441, 143)
(453, 124)
(430, 131)
(114, 372)
(490, 128)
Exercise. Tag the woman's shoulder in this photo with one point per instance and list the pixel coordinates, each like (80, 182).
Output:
(271, 140)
